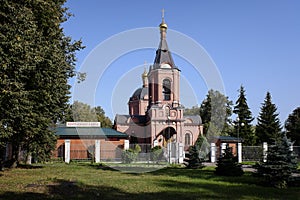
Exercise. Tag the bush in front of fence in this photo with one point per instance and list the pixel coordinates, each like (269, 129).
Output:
(156, 154)
(130, 155)
(194, 159)
(228, 164)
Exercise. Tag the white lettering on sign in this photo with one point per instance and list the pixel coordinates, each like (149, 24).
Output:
(83, 124)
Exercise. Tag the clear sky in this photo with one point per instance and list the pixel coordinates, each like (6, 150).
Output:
(254, 43)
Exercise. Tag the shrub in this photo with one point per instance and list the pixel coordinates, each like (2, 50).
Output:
(130, 155)
(193, 160)
(228, 164)
(156, 154)
(203, 146)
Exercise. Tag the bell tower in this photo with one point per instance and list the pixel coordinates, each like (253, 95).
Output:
(164, 76)
(155, 112)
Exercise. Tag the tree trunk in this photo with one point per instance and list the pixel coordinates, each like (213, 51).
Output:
(13, 163)
(28, 159)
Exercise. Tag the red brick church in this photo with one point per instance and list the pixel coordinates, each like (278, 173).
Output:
(156, 116)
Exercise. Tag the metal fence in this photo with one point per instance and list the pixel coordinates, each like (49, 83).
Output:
(255, 153)
(145, 148)
(252, 153)
(296, 150)
(249, 153)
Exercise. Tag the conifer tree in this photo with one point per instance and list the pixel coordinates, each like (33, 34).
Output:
(193, 160)
(268, 125)
(243, 127)
(292, 126)
(228, 164)
(281, 163)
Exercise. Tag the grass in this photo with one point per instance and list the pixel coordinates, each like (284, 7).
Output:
(85, 181)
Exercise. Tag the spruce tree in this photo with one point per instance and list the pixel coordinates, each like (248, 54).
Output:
(268, 126)
(228, 164)
(281, 163)
(193, 160)
(292, 126)
(243, 127)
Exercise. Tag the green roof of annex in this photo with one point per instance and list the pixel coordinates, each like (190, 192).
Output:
(88, 131)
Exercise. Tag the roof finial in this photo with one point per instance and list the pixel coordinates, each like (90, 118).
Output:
(145, 67)
(145, 76)
(163, 15)
(163, 26)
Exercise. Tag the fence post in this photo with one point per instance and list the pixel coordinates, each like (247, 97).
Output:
(155, 143)
(223, 147)
(239, 152)
(180, 152)
(126, 144)
(67, 151)
(212, 152)
(97, 151)
(291, 148)
(265, 151)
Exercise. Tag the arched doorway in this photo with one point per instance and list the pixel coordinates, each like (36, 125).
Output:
(167, 136)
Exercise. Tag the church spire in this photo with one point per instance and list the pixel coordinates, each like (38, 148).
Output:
(163, 26)
(163, 58)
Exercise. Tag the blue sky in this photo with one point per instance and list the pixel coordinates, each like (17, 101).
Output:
(253, 43)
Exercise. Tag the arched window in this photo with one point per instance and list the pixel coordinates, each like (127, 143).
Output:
(167, 89)
(187, 139)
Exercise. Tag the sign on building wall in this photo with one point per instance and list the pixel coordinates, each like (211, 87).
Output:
(83, 124)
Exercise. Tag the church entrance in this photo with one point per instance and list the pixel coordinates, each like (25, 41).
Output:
(168, 136)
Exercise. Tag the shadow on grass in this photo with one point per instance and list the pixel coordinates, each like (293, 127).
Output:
(63, 189)
(217, 190)
(172, 189)
(25, 166)
(207, 174)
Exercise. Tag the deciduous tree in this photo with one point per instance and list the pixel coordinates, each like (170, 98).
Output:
(83, 112)
(36, 60)
(215, 111)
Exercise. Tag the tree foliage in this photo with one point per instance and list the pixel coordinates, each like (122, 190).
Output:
(36, 61)
(203, 147)
(131, 155)
(292, 126)
(281, 163)
(83, 112)
(268, 126)
(243, 128)
(195, 110)
(156, 154)
(215, 112)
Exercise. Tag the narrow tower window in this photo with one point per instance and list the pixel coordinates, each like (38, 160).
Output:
(167, 89)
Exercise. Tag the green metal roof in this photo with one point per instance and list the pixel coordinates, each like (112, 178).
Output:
(229, 138)
(89, 131)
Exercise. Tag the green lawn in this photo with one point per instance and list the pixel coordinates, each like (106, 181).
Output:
(84, 181)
